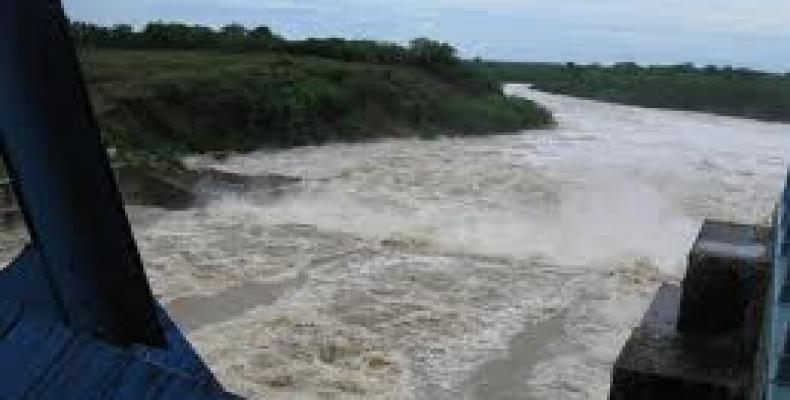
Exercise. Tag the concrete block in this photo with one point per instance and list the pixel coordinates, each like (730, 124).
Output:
(655, 363)
(727, 274)
(722, 305)
(699, 341)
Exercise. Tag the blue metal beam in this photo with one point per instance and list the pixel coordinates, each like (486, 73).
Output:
(77, 317)
(81, 236)
(777, 332)
(42, 359)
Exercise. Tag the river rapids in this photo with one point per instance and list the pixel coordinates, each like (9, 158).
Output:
(499, 267)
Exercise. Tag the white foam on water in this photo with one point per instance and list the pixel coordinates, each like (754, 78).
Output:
(424, 258)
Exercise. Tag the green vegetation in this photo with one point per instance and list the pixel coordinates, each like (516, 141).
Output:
(170, 89)
(234, 37)
(719, 90)
(188, 101)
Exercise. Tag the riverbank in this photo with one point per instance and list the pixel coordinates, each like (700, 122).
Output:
(160, 103)
(718, 90)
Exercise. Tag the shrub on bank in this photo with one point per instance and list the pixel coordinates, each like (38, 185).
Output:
(177, 101)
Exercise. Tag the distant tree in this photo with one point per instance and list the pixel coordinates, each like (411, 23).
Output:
(685, 67)
(432, 53)
(122, 33)
(261, 32)
(626, 66)
(87, 34)
(262, 38)
(175, 35)
(234, 30)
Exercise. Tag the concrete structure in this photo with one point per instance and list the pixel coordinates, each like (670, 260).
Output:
(724, 333)
(700, 340)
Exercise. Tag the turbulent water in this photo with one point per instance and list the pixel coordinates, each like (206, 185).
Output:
(502, 267)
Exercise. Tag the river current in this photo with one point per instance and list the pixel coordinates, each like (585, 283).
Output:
(499, 267)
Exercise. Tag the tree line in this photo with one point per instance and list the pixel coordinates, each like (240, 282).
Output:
(236, 37)
(722, 90)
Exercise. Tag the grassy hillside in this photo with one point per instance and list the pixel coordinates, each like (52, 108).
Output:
(174, 101)
(719, 90)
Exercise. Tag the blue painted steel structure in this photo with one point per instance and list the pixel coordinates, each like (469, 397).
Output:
(777, 334)
(77, 317)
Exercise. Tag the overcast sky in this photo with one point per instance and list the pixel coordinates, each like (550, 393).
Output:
(754, 33)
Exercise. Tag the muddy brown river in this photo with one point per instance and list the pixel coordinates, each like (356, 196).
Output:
(500, 267)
